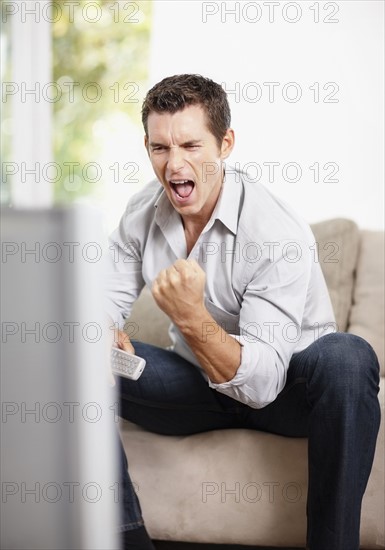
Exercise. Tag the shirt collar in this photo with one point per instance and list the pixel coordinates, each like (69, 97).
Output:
(226, 210)
(164, 210)
(227, 207)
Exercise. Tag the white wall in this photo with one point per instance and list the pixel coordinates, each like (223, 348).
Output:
(203, 37)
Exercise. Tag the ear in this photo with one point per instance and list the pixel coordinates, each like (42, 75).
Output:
(227, 143)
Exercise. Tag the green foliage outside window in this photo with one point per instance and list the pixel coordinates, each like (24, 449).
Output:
(5, 107)
(100, 66)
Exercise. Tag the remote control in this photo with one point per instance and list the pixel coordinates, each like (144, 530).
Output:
(126, 364)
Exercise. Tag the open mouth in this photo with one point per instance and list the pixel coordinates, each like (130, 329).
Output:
(182, 188)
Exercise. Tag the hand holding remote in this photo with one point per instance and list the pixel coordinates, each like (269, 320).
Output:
(117, 339)
(122, 341)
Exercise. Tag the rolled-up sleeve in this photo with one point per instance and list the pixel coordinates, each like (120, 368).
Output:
(270, 326)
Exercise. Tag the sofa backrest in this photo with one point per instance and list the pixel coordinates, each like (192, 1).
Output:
(368, 309)
(338, 244)
(352, 262)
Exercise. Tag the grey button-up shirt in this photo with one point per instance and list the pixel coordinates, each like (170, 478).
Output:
(264, 284)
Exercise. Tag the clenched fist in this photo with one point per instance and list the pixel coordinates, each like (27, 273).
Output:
(179, 290)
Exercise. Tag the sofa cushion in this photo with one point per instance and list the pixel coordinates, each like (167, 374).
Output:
(338, 244)
(367, 312)
(191, 488)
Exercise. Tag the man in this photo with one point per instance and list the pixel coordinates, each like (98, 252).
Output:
(252, 323)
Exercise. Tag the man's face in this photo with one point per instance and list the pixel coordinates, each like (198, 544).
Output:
(187, 160)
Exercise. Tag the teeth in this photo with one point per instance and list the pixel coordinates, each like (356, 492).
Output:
(179, 182)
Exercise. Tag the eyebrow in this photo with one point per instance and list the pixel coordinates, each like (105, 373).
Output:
(185, 144)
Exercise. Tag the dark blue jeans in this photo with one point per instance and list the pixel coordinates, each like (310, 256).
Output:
(330, 397)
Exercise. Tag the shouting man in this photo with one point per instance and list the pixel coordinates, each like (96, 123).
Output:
(233, 267)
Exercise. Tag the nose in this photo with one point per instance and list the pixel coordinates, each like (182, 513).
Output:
(175, 159)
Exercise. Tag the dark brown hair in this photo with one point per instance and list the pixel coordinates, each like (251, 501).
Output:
(174, 93)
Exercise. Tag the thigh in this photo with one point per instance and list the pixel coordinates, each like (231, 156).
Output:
(172, 397)
(289, 413)
(340, 362)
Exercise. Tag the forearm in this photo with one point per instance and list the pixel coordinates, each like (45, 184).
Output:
(179, 292)
(217, 352)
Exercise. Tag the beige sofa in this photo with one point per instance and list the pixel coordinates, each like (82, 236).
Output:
(248, 487)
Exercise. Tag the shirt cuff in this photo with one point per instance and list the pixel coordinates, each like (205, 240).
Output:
(257, 381)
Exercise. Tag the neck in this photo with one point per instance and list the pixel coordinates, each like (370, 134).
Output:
(192, 230)
(194, 224)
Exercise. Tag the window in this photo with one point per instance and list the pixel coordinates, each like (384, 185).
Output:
(74, 76)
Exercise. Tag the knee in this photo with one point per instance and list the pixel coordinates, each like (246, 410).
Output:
(347, 360)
